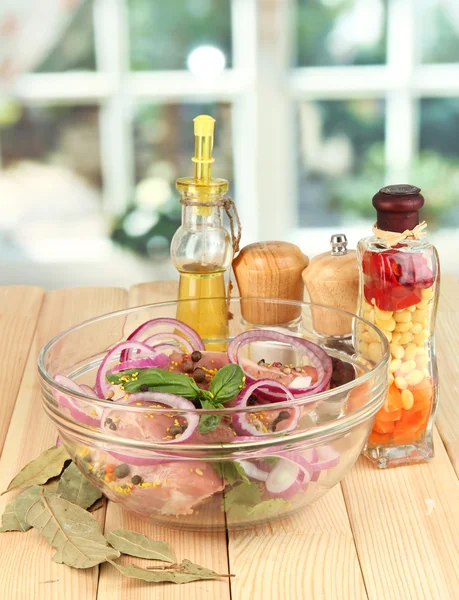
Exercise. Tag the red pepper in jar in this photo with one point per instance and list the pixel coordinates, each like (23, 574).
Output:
(394, 278)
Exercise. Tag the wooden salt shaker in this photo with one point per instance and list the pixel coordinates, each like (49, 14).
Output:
(270, 270)
(332, 278)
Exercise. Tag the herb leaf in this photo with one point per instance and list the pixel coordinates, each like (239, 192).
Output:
(137, 544)
(70, 529)
(184, 573)
(231, 472)
(49, 464)
(244, 501)
(13, 519)
(208, 423)
(74, 487)
(227, 383)
(158, 380)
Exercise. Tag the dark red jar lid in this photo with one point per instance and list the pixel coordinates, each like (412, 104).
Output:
(397, 207)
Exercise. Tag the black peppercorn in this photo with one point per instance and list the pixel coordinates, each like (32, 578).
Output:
(252, 400)
(112, 426)
(122, 471)
(187, 365)
(196, 356)
(144, 387)
(199, 376)
(136, 479)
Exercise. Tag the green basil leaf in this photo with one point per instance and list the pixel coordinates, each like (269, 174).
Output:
(227, 382)
(208, 423)
(157, 380)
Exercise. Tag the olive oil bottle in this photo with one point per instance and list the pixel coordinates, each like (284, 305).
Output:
(201, 248)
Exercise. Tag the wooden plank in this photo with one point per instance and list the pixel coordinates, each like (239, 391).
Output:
(447, 337)
(27, 569)
(19, 309)
(309, 555)
(208, 549)
(405, 522)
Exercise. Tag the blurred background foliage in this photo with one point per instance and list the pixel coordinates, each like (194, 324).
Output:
(340, 143)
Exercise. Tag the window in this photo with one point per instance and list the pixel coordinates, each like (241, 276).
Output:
(318, 104)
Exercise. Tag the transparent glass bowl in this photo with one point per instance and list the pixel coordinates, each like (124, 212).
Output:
(217, 480)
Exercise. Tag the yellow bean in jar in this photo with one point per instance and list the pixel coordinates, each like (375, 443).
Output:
(395, 365)
(407, 367)
(402, 327)
(410, 351)
(407, 399)
(396, 337)
(401, 383)
(397, 351)
(419, 315)
(383, 315)
(406, 338)
(402, 317)
(415, 377)
(417, 328)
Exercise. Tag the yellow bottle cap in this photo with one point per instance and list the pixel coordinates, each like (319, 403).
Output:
(204, 126)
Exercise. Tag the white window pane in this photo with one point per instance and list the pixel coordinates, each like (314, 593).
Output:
(75, 51)
(341, 160)
(340, 32)
(164, 33)
(439, 35)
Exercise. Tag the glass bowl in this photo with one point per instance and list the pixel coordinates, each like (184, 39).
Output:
(220, 479)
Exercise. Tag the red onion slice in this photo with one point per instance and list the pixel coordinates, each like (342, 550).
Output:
(75, 407)
(88, 390)
(288, 476)
(253, 471)
(319, 358)
(179, 327)
(102, 385)
(327, 458)
(159, 361)
(170, 336)
(241, 423)
(146, 399)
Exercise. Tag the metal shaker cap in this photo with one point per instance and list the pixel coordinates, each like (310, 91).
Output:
(338, 242)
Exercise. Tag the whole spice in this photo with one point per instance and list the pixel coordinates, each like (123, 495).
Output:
(196, 356)
(144, 387)
(187, 365)
(199, 375)
(136, 479)
(122, 470)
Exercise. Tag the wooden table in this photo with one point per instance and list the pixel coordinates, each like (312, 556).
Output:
(379, 535)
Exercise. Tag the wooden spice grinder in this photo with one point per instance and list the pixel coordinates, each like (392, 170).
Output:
(270, 270)
(332, 278)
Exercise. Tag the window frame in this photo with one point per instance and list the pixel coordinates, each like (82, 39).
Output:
(263, 114)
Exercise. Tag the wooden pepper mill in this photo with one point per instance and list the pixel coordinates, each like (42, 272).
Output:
(270, 270)
(332, 278)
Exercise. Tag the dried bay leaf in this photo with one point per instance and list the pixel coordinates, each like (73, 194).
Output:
(74, 487)
(184, 573)
(49, 464)
(14, 517)
(137, 544)
(70, 529)
(100, 503)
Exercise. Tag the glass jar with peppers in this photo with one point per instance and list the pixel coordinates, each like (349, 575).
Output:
(399, 284)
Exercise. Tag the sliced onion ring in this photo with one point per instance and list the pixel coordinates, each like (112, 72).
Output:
(290, 473)
(102, 385)
(169, 336)
(167, 400)
(319, 358)
(179, 327)
(253, 471)
(240, 422)
(159, 361)
(74, 406)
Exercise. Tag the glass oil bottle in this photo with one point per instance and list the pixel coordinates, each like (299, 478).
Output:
(201, 248)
